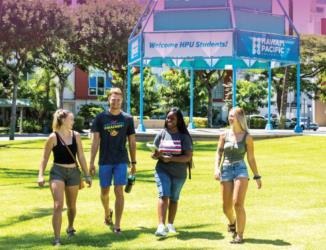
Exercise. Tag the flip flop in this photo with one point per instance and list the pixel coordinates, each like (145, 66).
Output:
(108, 221)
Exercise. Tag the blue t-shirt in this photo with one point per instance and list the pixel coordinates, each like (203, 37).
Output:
(113, 130)
(173, 144)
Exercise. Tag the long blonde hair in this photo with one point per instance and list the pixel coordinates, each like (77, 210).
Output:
(241, 117)
(58, 118)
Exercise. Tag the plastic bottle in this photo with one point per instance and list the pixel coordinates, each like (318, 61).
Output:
(130, 183)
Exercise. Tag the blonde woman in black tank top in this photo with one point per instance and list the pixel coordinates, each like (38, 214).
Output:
(64, 174)
(231, 171)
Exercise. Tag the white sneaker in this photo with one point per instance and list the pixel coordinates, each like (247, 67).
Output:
(161, 231)
(171, 229)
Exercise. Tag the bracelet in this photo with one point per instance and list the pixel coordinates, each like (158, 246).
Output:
(257, 177)
(133, 162)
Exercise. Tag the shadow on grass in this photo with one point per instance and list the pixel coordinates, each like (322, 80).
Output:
(22, 175)
(26, 241)
(100, 240)
(36, 213)
(186, 233)
(276, 242)
(105, 239)
(145, 176)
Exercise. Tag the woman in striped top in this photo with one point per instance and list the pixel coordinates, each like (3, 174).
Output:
(174, 151)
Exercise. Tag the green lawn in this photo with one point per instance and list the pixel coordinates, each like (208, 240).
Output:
(289, 212)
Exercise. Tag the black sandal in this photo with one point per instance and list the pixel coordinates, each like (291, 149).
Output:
(232, 229)
(117, 230)
(70, 232)
(108, 221)
(237, 240)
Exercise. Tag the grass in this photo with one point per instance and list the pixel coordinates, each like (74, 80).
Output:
(289, 212)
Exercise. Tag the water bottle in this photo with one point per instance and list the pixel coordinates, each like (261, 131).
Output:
(130, 183)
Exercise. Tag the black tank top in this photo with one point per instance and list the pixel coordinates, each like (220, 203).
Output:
(60, 152)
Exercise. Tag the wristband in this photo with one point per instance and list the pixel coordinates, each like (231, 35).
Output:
(257, 177)
(133, 162)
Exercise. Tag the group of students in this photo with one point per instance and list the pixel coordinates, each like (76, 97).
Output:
(173, 151)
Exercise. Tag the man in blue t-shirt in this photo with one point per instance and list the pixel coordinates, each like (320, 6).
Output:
(110, 132)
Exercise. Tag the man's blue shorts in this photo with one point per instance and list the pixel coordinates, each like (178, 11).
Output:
(117, 171)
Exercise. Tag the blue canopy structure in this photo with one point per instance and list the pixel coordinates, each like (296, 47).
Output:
(213, 35)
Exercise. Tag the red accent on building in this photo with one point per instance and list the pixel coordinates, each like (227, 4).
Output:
(323, 26)
(81, 85)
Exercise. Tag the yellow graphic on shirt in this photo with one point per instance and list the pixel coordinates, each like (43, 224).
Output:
(114, 133)
(114, 127)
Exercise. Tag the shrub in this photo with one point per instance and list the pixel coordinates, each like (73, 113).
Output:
(199, 122)
(79, 123)
(89, 112)
(257, 123)
(31, 126)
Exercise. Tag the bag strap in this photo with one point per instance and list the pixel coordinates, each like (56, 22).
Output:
(189, 169)
(71, 154)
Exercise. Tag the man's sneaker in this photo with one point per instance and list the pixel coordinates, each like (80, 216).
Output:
(171, 229)
(161, 231)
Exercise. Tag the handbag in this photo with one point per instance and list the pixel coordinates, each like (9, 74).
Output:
(81, 182)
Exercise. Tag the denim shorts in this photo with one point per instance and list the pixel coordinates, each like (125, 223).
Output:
(235, 170)
(117, 171)
(168, 185)
(70, 176)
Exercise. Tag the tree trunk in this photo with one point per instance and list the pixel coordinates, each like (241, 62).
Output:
(61, 89)
(278, 98)
(284, 98)
(210, 108)
(13, 116)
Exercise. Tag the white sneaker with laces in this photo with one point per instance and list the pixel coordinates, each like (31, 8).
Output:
(161, 230)
(171, 228)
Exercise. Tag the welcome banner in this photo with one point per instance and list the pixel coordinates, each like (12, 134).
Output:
(134, 49)
(191, 44)
(267, 46)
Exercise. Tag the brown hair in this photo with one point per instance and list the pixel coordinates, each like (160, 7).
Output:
(116, 91)
(58, 118)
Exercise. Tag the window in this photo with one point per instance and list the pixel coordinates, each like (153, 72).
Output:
(98, 85)
(218, 92)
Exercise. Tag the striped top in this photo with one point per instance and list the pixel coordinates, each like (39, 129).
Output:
(169, 147)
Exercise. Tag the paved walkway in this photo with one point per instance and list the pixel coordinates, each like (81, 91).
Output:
(208, 134)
